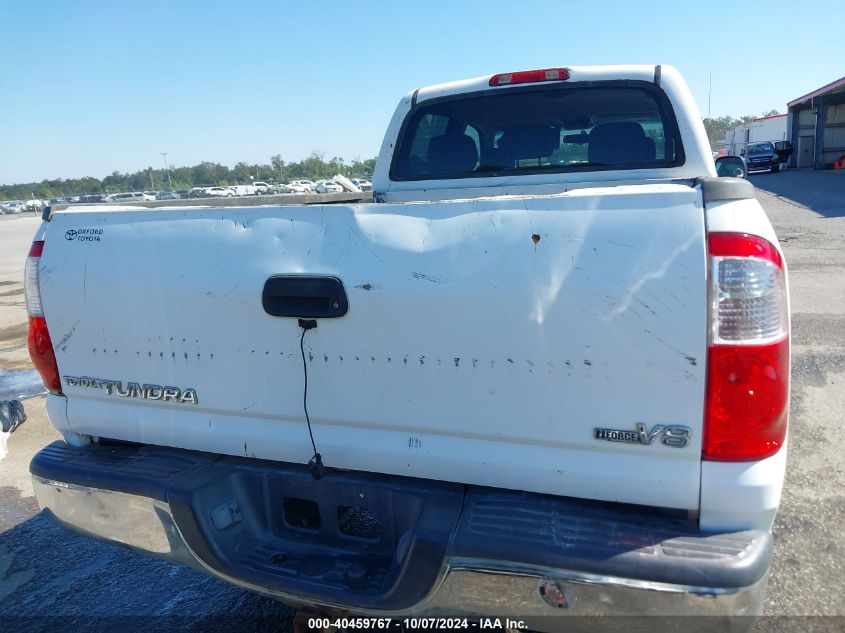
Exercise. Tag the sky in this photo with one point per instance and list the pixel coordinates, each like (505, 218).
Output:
(94, 87)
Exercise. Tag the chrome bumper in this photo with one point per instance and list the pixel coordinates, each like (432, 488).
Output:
(465, 586)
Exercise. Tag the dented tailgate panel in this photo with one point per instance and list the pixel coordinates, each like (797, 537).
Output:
(485, 340)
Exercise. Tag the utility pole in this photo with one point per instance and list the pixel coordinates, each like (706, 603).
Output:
(167, 169)
(709, 92)
(152, 182)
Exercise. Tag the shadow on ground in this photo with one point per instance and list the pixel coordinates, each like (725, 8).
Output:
(819, 191)
(53, 579)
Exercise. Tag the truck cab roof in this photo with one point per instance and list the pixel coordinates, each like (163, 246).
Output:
(579, 100)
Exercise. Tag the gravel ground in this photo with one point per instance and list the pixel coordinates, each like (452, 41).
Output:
(807, 210)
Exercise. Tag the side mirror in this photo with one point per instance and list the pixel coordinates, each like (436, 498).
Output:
(731, 166)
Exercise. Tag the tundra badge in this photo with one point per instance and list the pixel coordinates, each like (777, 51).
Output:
(670, 435)
(134, 389)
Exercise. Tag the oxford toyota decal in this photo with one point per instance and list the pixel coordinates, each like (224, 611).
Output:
(83, 235)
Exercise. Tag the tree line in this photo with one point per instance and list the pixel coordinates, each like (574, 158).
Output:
(206, 173)
(718, 127)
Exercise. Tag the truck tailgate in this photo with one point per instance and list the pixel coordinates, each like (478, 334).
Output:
(484, 343)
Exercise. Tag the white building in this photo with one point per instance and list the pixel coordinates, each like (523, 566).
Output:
(767, 128)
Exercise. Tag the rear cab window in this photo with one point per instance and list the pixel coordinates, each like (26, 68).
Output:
(560, 128)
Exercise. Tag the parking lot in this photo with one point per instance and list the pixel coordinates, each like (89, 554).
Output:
(233, 195)
(48, 571)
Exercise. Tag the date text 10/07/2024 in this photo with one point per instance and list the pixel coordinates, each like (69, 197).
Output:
(415, 623)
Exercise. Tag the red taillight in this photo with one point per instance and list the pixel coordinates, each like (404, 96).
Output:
(530, 76)
(747, 398)
(742, 245)
(36, 249)
(41, 352)
(40, 346)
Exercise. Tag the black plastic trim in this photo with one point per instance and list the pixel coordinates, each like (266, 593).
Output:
(147, 471)
(726, 188)
(610, 539)
(305, 296)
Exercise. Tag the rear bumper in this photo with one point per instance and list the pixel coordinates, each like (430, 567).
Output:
(441, 549)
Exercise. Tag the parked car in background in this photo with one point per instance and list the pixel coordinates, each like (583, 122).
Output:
(219, 192)
(363, 184)
(197, 192)
(92, 198)
(33, 205)
(767, 155)
(129, 196)
(13, 206)
(306, 186)
(261, 187)
(244, 190)
(281, 187)
(328, 186)
(167, 195)
(297, 187)
(183, 193)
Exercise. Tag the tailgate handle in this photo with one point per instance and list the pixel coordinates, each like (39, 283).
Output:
(304, 296)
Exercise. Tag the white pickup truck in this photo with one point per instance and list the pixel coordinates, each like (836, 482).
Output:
(244, 190)
(544, 371)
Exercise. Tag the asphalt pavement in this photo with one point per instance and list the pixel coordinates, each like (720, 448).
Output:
(50, 577)
(807, 209)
